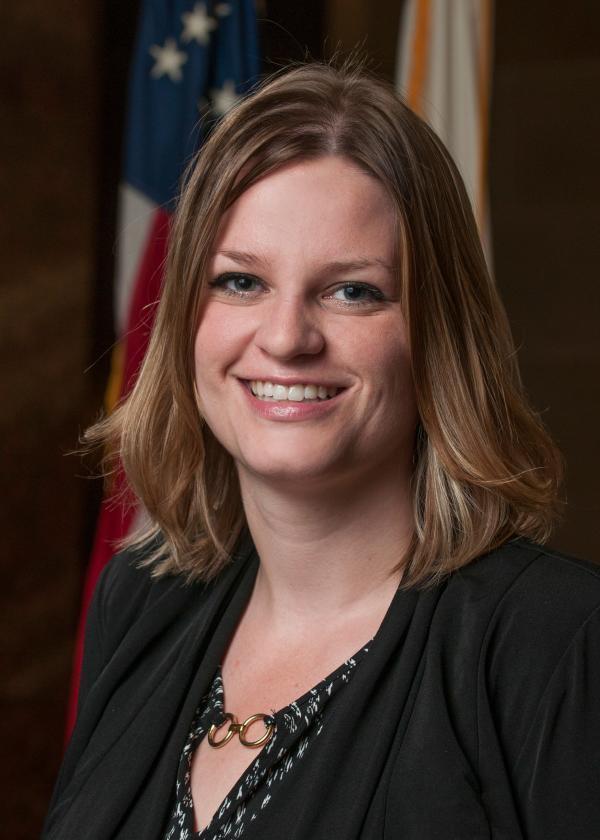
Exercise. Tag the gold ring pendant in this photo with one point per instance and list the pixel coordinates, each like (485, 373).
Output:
(241, 729)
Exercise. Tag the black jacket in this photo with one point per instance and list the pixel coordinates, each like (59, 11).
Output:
(476, 714)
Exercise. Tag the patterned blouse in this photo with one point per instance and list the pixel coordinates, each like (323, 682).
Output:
(296, 728)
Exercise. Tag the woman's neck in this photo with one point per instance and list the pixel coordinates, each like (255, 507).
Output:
(326, 552)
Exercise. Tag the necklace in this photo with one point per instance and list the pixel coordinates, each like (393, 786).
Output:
(241, 729)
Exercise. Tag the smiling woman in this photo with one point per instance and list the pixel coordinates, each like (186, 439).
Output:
(318, 324)
(339, 620)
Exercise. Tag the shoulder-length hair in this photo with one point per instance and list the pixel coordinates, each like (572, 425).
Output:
(485, 469)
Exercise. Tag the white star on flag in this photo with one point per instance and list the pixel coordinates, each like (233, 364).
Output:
(222, 9)
(168, 60)
(223, 98)
(197, 25)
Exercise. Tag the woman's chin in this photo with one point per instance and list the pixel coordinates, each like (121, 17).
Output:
(292, 471)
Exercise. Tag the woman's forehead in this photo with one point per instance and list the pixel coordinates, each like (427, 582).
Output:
(327, 204)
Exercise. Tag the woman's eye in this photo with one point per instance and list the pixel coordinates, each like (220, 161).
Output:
(356, 293)
(236, 284)
(246, 286)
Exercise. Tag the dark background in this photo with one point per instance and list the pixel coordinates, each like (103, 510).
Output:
(63, 71)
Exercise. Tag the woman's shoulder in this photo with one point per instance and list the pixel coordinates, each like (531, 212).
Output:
(555, 565)
(525, 583)
(540, 665)
(534, 615)
(521, 610)
(125, 591)
(127, 584)
(129, 592)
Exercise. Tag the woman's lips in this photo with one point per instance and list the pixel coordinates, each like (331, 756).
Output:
(290, 410)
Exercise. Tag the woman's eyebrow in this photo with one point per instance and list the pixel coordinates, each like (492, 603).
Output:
(243, 257)
(336, 266)
(357, 264)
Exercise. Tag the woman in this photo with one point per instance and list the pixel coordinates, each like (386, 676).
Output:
(345, 487)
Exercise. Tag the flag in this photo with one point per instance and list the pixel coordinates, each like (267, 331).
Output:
(443, 71)
(191, 60)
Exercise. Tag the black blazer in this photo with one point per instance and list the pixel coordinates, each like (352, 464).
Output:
(476, 713)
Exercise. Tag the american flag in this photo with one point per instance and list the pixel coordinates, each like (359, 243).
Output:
(192, 62)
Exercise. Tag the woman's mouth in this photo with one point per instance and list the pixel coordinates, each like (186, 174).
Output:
(297, 392)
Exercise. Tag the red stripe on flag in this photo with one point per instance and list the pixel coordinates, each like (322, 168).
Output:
(117, 514)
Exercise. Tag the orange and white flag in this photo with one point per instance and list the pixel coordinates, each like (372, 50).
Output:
(443, 71)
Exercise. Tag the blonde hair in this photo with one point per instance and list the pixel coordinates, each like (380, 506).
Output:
(485, 468)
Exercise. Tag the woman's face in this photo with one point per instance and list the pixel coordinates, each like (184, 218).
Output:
(302, 302)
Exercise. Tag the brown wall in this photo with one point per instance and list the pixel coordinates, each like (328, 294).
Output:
(49, 73)
(545, 181)
(62, 66)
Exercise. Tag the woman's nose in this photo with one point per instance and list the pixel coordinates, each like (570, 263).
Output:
(288, 329)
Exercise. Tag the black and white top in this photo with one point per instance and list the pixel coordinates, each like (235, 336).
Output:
(296, 728)
(474, 714)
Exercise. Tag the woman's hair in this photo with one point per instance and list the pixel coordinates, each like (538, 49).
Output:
(485, 469)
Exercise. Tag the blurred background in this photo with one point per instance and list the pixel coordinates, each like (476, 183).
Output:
(63, 100)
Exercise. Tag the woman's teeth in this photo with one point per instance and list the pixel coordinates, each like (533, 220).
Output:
(295, 393)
